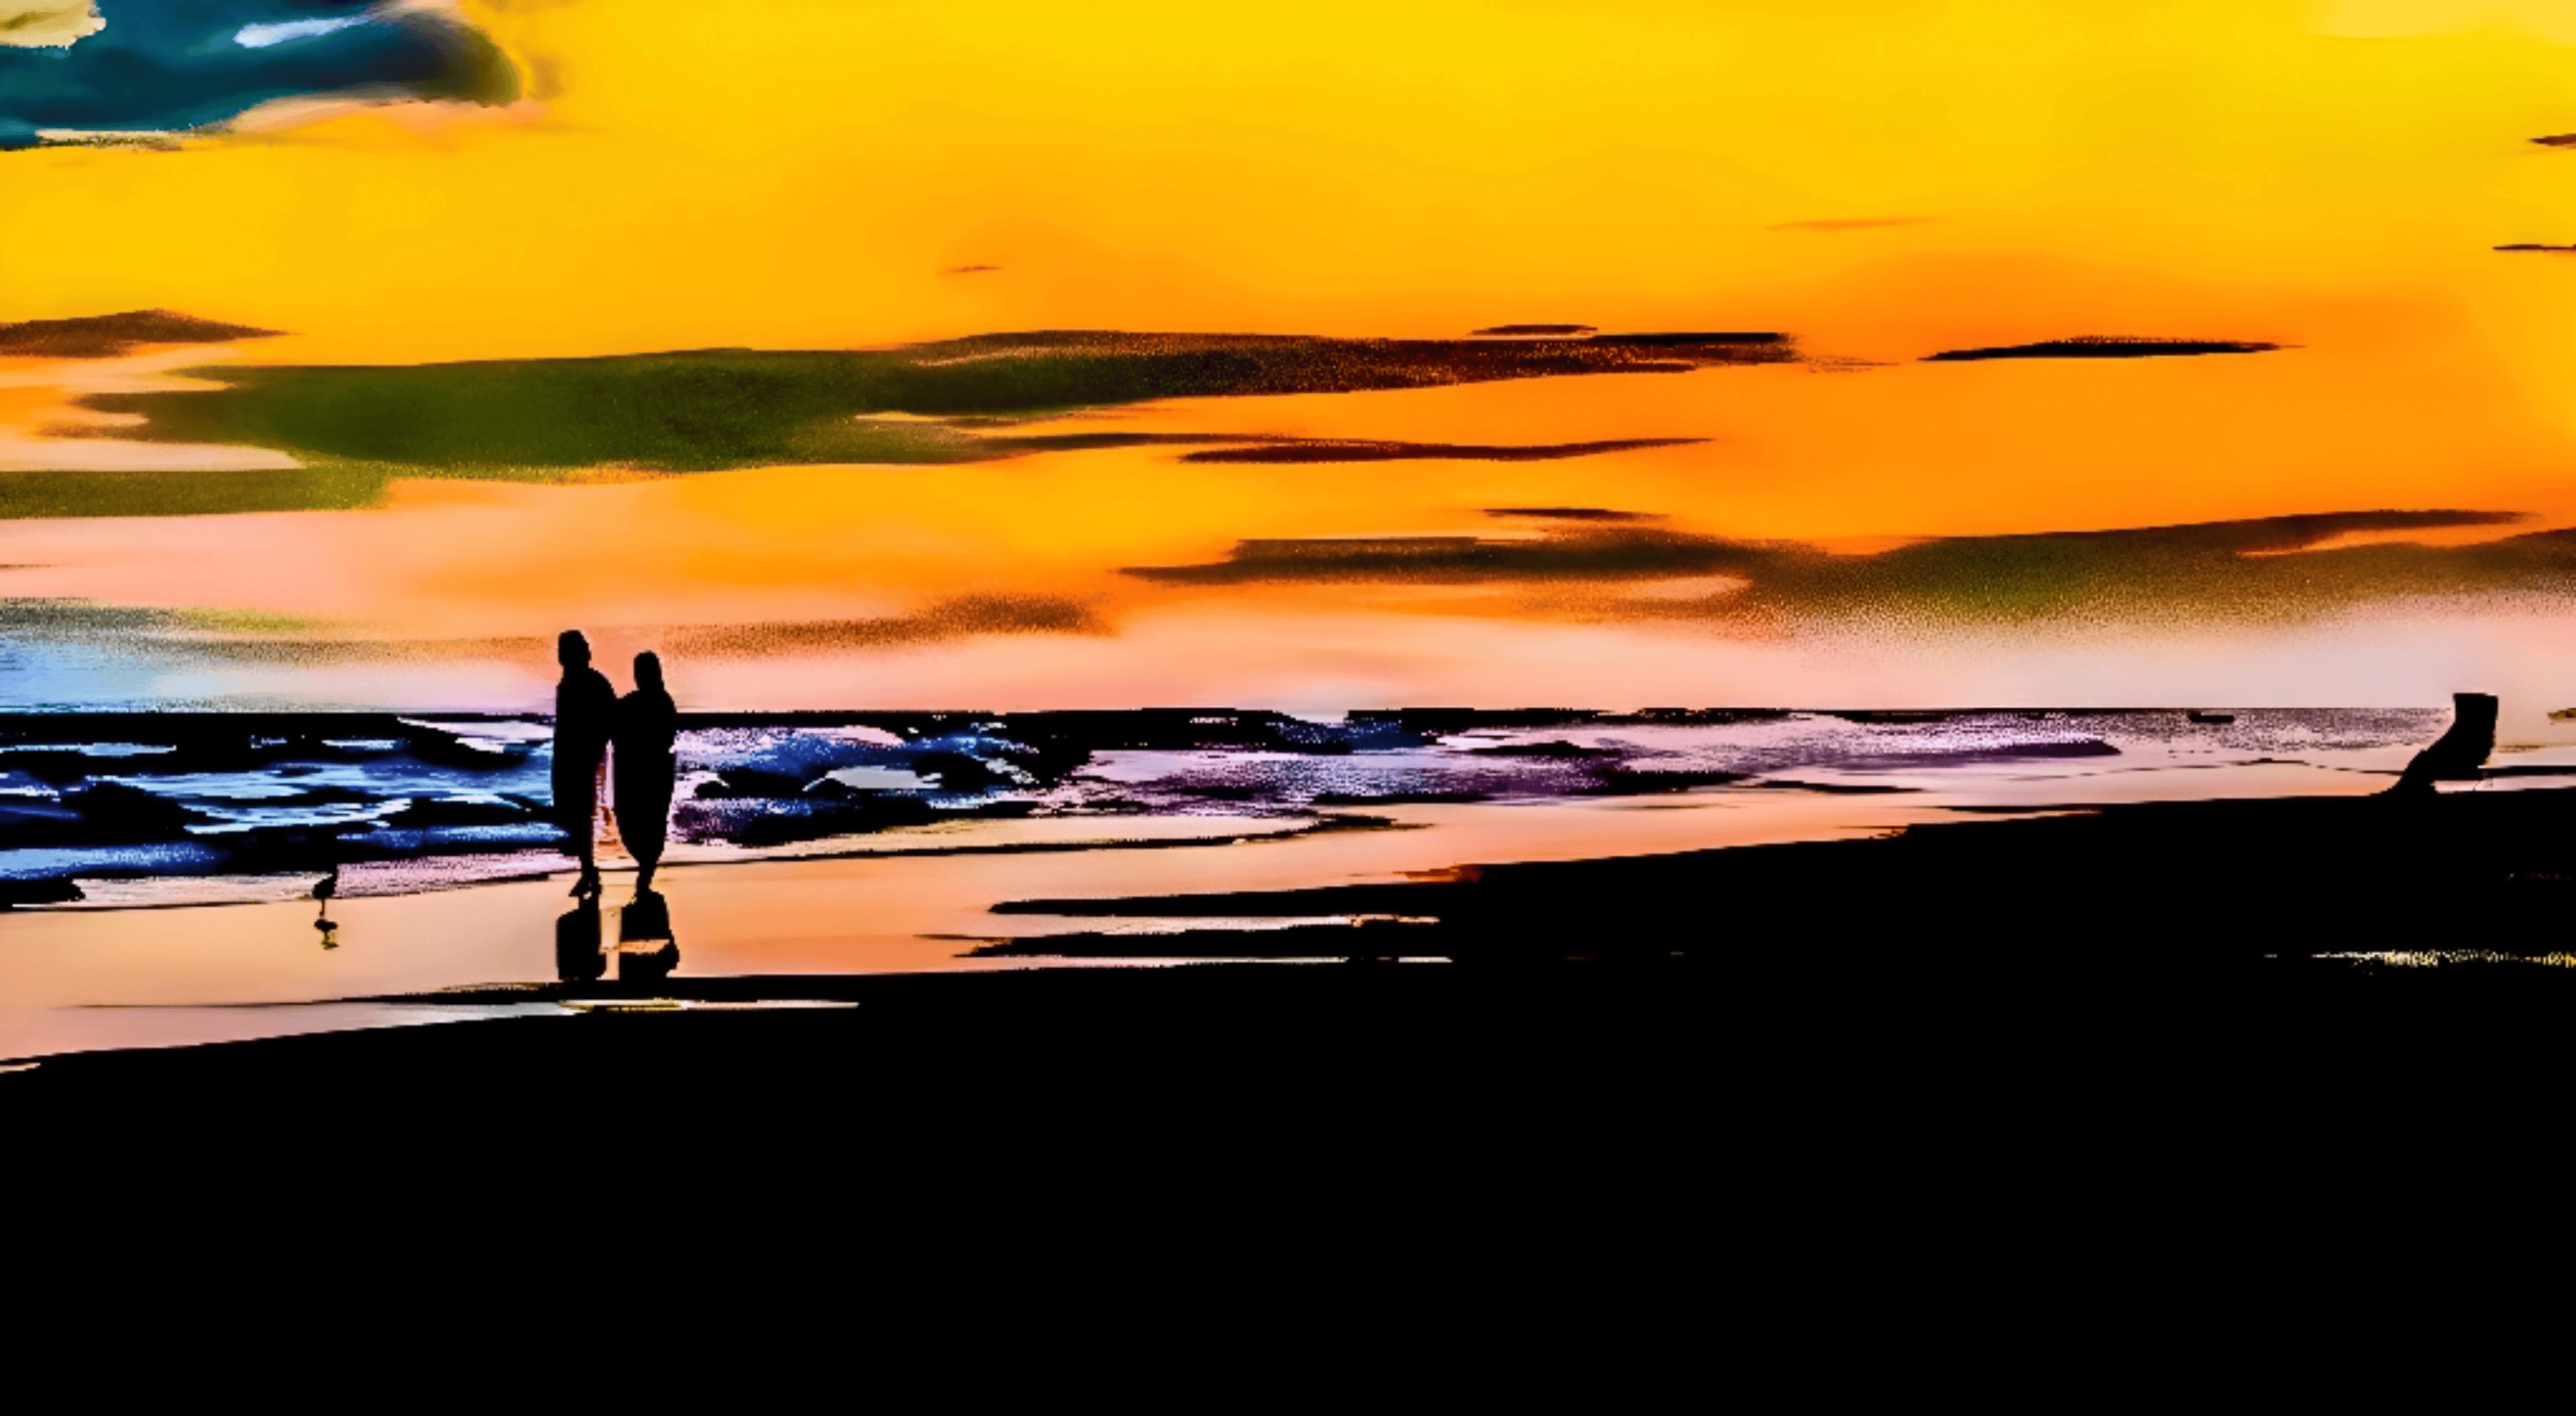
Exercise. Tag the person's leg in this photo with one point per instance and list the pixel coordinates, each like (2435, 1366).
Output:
(572, 806)
(644, 824)
(581, 817)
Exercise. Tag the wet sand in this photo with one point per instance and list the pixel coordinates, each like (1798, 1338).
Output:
(76, 979)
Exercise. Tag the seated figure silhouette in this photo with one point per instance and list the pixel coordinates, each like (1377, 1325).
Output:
(2457, 755)
(645, 769)
(585, 709)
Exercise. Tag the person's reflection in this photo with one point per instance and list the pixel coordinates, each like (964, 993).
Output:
(578, 956)
(646, 949)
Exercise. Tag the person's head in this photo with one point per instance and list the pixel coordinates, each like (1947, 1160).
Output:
(648, 670)
(572, 650)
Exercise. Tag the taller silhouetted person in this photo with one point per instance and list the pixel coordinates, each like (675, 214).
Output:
(585, 710)
(645, 769)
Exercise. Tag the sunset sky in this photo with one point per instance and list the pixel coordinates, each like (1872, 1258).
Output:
(1880, 181)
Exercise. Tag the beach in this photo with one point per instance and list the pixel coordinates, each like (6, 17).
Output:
(1858, 1023)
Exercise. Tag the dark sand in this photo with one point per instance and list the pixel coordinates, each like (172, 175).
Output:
(2126, 886)
(1829, 1138)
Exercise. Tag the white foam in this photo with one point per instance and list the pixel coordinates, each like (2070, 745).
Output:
(262, 36)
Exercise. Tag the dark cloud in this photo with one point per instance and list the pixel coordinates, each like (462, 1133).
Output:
(33, 495)
(314, 652)
(1623, 553)
(174, 65)
(104, 336)
(2557, 141)
(2269, 534)
(969, 269)
(156, 635)
(1571, 513)
(188, 637)
(1273, 448)
(1007, 445)
(79, 620)
(1851, 223)
(959, 618)
(2234, 571)
(2535, 246)
(1748, 339)
(2245, 572)
(2102, 346)
(1320, 450)
(715, 408)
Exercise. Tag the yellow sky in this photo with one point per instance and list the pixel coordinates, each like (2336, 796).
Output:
(799, 172)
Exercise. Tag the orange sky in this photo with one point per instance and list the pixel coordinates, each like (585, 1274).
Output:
(786, 174)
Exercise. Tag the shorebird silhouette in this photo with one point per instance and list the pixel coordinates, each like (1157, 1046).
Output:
(323, 890)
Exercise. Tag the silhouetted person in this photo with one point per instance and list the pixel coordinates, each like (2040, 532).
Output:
(645, 769)
(2457, 755)
(646, 920)
(585, 710)
(578, 957)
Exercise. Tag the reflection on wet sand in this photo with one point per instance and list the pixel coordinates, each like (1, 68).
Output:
(578, 958)
(646, 950)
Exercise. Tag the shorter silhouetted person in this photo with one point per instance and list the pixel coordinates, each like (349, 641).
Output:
(2457, 755)
(645, 770)
(644, 923)
(585, 711)
(578, 956)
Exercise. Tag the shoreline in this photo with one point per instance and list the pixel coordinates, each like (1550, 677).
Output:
(613, 868)
(126, 809)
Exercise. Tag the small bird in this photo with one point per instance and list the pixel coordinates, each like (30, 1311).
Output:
(323, 890)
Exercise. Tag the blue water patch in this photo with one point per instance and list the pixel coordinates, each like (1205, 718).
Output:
(171, 858)
(174, 65)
